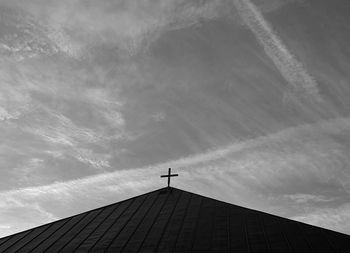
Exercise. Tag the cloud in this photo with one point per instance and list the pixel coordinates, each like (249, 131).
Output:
(22, 37)
(272, 5)
(74, 26)
(290, 68)
(332, 218)
(27, 171)
(306, 198)
(123, 23)
(59, 132)
(63, 41)
(14, 99)
(101, 97)
(159, 116)
(16, 216)
(6, 115)
(98, 161)
(58, 129)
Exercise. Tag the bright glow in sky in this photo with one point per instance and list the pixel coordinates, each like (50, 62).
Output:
(247, 100)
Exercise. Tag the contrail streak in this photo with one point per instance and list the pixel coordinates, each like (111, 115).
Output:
(290, 68)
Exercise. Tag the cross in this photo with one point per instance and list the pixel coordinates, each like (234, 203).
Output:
(169, 175)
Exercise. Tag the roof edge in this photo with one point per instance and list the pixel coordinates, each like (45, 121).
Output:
(94, 209)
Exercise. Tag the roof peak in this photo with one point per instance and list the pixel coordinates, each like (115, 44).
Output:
(172, 218)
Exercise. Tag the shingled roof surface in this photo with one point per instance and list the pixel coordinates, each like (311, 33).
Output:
(175, 221)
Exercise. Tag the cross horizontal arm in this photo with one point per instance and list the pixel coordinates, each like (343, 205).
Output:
(172, 175)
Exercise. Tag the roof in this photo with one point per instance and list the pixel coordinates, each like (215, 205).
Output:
(175, 221)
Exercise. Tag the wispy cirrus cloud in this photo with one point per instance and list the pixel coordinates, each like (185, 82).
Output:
(23, 219)
(14, 100)
(128, 26)
(87, 156)
(293, 71)
(29, 171)
(307, 198)
(124, 24)
(336, 218)
(59, 129)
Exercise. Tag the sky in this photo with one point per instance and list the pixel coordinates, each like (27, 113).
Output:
(248, 100)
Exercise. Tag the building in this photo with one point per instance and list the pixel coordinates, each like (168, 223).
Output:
(173, 220)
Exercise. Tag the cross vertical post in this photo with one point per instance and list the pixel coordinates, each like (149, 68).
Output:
(169, 175)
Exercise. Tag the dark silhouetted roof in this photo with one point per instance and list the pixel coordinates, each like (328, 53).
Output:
(175, 221)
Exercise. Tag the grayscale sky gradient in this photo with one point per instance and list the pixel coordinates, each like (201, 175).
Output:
(248, 100)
